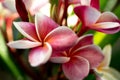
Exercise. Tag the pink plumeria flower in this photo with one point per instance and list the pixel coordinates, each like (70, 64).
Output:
(44, 37)
(91, 18)
(108, 73)
(77, 62)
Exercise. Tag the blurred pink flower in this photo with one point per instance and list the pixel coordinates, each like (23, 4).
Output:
(7, 15)
(91, 18)
(79, 59)
(24, 6)
(44, 37)
(34, 6)
(93, 3)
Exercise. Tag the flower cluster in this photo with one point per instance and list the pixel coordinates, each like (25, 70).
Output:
(49, 38)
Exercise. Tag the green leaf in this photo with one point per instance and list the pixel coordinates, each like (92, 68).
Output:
(110, 5)
(103, 4)
(117, 11)
(102, 39)
(4, 55)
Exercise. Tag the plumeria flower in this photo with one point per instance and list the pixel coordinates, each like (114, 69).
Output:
(82, 57)
(44, 37)
(107, 73)
(91, 18)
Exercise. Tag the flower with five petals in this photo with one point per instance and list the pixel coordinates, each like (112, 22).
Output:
(82, 57)
(43, 37)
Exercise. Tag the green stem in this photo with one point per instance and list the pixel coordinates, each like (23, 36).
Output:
(4, 54)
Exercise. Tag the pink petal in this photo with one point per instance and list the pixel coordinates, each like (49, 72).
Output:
(2, 0)
(59, 58)
(88, 15)
(34, 5)
(85, 2)
(73, 2)
(92, 53)
(21, 9)
(95, 4)
(23, 44)
(40, 55)
(107, 17)
(80, 2)
(27, 29)
(10, 5)
(61, 38)
(83, 41)
(44, 25)
(76, 69)
(107, 27)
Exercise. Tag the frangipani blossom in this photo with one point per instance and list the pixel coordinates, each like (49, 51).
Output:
(91, 18)
(77, 62)
(44, 37)
(107, 72)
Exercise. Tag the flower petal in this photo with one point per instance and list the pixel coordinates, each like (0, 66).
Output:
(9, 4)
(73, 2)
(21, 9)
(76, 69)
(44, 25)
(83, 41)
(95, 4)
(92, 53)
(27, 29)
(34, 5)
(110, 74)
(61, 38)
(59, 58)
(107, 51)
(23, 44)
(88, 15)
(107, 17)
(40, 55)
(107, 27)
(85, 2)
